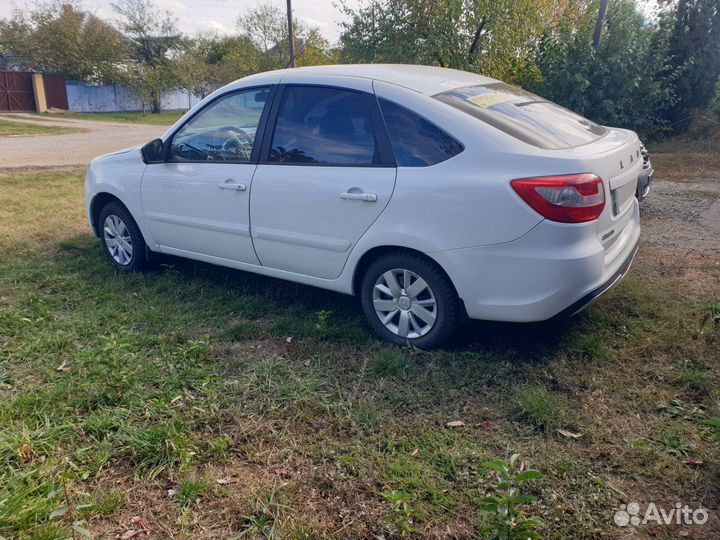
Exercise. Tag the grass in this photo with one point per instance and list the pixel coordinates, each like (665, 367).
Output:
(14, 129)
(192, 489)
(542, 408)
(184, 378)
(687, 144)
(162, 119)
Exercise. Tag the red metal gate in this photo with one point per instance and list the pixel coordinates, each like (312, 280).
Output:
(55, 92)
(16, 92)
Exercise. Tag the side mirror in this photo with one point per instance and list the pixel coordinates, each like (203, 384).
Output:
(153, 152)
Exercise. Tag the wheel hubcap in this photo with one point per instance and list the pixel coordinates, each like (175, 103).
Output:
(404, 303)
(118, 240)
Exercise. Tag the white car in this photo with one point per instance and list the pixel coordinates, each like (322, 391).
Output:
(432, 194)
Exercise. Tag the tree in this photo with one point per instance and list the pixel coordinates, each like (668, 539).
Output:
(693, 56)
(57, 37)
(193, 71)
(618, 83)
(266, 27)
(486, 36)
(155, 41)
(234, 57)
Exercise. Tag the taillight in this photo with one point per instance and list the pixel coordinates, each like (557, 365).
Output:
(572, 198)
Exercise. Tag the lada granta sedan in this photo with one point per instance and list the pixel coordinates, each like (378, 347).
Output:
(432, 194)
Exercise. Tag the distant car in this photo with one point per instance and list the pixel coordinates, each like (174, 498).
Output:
(432, 194)
(646, 175)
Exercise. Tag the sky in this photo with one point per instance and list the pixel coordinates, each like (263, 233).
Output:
(194, 16)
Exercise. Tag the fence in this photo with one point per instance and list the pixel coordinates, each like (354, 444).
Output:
(17, 93)
(120, 98)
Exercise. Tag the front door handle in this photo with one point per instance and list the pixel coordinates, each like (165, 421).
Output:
(368, 197)
(232, 186)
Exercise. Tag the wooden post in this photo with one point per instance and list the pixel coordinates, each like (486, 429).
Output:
(291, 37)
(39, 91)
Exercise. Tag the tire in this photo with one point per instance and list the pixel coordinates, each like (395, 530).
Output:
(129, 254)
(425, 315)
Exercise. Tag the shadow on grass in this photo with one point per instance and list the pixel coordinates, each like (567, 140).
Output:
(303, 311)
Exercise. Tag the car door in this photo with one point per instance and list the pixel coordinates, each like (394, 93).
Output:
(197, 202)
(326, 173)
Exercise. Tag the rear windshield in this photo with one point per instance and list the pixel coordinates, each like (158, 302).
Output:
(523, 115)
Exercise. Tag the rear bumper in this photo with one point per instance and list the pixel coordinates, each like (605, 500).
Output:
(555, 268)
(609, 285)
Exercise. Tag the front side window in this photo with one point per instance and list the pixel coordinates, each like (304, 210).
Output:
(416, 142)
(325, 126)
(223, 131)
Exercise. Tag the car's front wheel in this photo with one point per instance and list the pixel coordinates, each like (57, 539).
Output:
(122, 240)
(409, 300)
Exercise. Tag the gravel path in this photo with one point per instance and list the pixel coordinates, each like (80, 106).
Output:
(70, 149)
(683, 216)
(680, 238)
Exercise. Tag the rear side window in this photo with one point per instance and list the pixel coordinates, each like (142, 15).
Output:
(523, 115)
(326, 126)
(415, 141)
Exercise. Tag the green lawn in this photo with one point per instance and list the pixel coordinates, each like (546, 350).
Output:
(162, 118)
(10, 128)
(202, 402)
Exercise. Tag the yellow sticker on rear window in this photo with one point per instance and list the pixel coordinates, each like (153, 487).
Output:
(490, 98)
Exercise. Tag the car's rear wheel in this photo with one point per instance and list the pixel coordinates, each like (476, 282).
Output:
(409, 300)
(122, 240)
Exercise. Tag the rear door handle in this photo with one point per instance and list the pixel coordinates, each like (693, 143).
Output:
(368, 197)
(232, 186)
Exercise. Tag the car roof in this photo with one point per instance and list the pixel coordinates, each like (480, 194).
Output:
(423, 79)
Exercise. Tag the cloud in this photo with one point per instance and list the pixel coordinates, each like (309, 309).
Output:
(214, 27)
(218, 16)
(176, 7)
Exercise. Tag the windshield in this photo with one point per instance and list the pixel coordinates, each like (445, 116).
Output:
(523, 115)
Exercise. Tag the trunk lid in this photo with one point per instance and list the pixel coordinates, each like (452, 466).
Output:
(617, 159)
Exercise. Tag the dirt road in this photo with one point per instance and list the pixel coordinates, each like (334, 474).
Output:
(70, 149)
(680, 240)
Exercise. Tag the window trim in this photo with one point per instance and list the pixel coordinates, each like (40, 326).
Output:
(382, 140)
(259, 132)
(462, 144)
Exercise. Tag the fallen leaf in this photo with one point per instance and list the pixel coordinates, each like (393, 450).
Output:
(64, 367)
(288, 339)
(415, 453)
(455, 423)
(132, 533)
(26, 452)
(569, 434)
(694, 462)
(226, 481)
(140, 521)
(282, 472)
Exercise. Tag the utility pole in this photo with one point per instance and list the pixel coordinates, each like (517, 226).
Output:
(291, 37)
(598, 24)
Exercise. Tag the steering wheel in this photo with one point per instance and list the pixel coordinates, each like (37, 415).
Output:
(238, 143)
